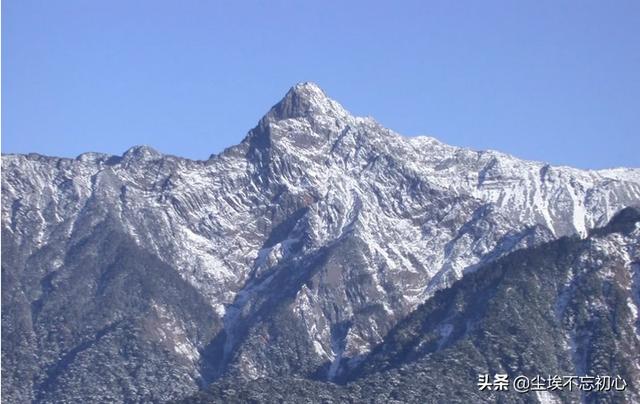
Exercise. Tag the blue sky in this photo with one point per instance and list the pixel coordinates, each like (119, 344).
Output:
(557, 81)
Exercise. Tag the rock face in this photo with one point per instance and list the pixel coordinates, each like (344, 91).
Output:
(567, 307)
(145, 277)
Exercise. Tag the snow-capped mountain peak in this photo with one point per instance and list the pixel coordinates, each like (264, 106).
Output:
(306, 100)
(297, 250)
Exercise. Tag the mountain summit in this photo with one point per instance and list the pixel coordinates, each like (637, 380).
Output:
(304, 100)
(291, 255)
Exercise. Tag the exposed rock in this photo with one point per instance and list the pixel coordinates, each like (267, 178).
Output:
(292, 254)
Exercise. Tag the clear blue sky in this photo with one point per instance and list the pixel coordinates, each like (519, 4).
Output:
(553, 80)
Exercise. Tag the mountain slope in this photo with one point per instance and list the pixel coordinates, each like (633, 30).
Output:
(304, 245)
(567, 307)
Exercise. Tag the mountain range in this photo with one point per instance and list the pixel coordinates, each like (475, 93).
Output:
(325, 258)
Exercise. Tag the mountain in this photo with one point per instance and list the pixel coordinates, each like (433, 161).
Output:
(567, 307)
(292, 255)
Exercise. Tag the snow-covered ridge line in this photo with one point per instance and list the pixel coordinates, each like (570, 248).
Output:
(378, 221)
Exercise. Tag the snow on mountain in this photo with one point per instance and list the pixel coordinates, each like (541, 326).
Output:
(329, 221)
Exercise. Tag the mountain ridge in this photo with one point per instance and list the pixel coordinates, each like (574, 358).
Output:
(321, 223)
(482, 324)
(309, 93)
